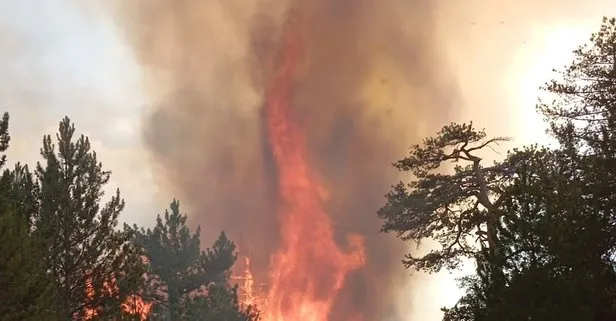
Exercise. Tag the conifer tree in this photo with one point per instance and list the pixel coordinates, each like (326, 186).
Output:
(460, 209)
(25, 288)
(183, 275)
(220, 303)
(582, 117)
(558, 230)
(93, 265)
(555, 249)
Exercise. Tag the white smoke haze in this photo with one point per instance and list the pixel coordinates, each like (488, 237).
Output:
(62, 57)
(57, 59)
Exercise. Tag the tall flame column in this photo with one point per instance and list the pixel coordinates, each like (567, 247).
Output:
(309, 269)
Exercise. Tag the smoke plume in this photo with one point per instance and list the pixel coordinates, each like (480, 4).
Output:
(373, 81)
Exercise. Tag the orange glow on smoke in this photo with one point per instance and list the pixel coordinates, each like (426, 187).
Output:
(309, 268)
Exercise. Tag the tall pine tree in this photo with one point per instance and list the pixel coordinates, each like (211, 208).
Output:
(94, 266)
(186, 282)
(582, 117)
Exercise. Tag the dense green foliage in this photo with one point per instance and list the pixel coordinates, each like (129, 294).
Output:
(540, 225)
(63, 257)
(83, 248)
(26, 292)
(180, 273)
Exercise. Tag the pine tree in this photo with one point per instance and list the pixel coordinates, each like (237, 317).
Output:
(582, 117)
(181, 273)
(460, 210)
(93, 265)
(559, 224)
(555, 249)
(25, 288)
(220, 303)
(583, 112)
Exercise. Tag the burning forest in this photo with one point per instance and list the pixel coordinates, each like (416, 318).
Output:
(273, 120)
(276, 122)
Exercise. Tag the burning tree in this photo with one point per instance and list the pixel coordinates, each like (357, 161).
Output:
(185, 282)
(83, 248)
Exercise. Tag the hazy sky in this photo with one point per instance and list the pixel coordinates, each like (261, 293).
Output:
(502, 51)
(57, 58)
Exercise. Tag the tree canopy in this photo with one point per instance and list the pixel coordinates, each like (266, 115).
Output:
(180, 272)
(540, 223)
(63, 257)
(26, 292)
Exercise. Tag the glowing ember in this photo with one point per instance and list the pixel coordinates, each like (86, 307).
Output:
(133, 305)
(309, 269)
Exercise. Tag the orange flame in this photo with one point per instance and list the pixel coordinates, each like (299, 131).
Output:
(133, 305)
(309, 269)
(248, 283)
(249, 295)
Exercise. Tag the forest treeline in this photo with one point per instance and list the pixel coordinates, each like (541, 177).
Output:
(539, 224)
(64, 257)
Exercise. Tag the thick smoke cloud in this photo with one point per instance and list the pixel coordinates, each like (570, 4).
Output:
(373, 81)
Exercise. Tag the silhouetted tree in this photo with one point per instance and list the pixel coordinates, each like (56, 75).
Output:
(582, 117)
(25, 288)
(554, 246)
(461, 210)
(558, 228)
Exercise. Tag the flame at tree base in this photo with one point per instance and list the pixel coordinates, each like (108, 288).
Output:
(133, 305)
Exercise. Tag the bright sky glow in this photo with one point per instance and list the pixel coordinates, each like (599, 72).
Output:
(61, 59)
(532, 66)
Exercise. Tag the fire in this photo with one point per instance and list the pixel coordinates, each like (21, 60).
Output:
(249, 295)
(133, 305)
(309, 268)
